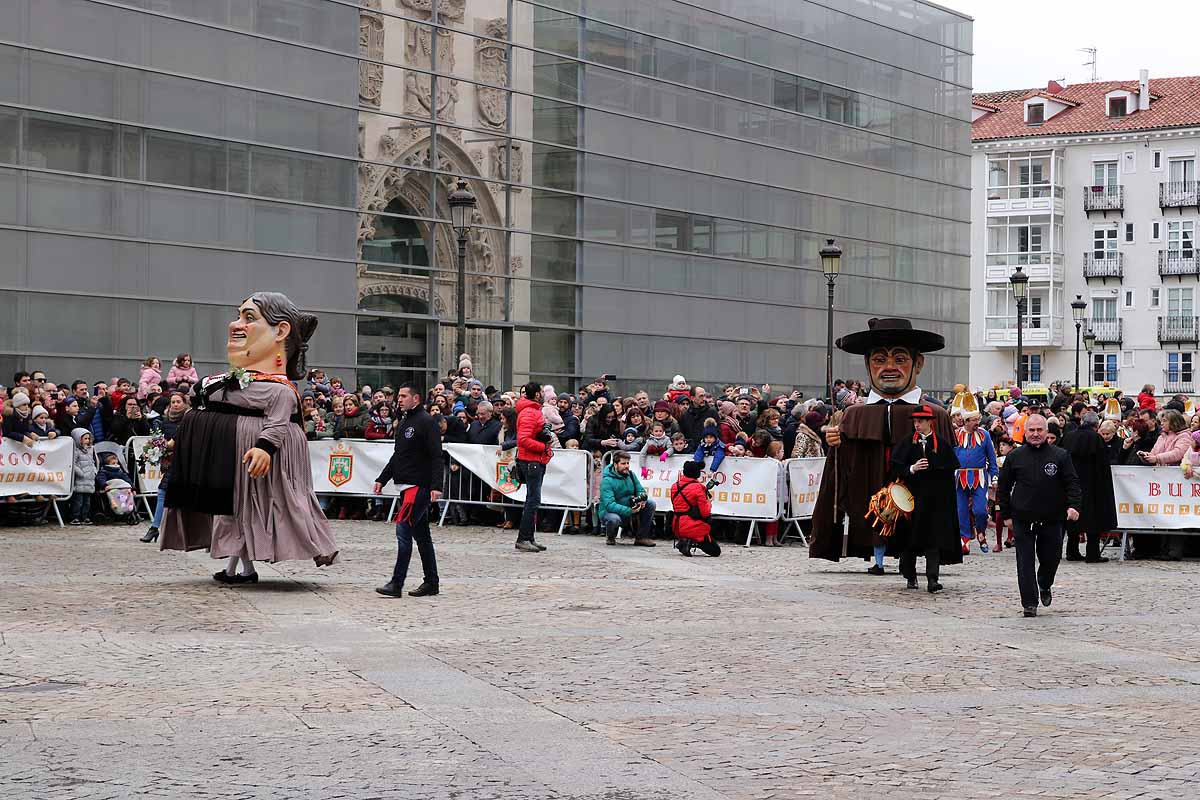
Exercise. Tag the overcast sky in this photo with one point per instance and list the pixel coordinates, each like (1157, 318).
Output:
(1020, 44)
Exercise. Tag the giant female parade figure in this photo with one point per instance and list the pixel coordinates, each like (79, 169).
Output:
(241, 484)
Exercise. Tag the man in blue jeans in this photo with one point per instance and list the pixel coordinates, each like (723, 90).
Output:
(416, 467)
(622, 496)
(533, 454)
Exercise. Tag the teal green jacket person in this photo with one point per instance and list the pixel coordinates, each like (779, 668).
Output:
(617, 492)
(618, 488)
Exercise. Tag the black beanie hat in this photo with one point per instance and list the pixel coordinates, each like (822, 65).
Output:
(692, 469)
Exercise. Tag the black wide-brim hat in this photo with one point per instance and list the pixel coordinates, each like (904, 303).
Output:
(890, 332)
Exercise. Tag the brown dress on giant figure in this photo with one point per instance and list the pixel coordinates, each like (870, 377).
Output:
(214, 504)
(858, 467)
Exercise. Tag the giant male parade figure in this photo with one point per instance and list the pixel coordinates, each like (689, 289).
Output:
(860, 449)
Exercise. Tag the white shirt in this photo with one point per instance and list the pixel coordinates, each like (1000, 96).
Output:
(912, 397)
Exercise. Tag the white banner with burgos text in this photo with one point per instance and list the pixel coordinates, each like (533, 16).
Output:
(804, 481)
(46, 468)
(564, 486)
(747, 488)
(1156, 498)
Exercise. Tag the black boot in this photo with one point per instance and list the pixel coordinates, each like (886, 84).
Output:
(391, 589)
(424, 590)
(151, 535)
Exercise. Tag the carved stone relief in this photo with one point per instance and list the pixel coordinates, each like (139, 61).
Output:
(498, 152)
(447, 9)
(418, 51)
(491, 66)
(370, 45)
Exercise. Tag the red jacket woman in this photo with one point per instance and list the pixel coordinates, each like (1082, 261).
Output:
(689, 501)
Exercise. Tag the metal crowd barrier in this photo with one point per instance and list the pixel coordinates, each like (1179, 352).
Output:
(462, 487)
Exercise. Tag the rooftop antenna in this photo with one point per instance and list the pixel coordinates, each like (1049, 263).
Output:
(1091, 51)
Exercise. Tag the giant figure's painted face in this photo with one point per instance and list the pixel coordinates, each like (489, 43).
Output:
(893, 370)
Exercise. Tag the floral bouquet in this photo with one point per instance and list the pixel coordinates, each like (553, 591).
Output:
(154, 451)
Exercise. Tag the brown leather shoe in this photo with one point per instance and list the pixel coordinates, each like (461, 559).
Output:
(643, 543)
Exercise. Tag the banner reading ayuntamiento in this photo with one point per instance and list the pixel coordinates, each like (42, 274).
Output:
(1156, 497)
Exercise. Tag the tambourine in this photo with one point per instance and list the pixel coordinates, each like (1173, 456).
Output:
(888, 506)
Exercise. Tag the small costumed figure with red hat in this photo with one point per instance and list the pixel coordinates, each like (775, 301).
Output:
(977, 468)
(926, 464)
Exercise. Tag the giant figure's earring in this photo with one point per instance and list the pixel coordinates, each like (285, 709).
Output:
(279, 359)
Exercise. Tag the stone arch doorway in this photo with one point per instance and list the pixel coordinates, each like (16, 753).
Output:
(396, 251)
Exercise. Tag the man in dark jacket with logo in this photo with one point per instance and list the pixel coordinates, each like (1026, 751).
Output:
(416, 467)
(1038, 489)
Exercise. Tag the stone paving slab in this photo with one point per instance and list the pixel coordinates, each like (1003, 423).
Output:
(585, 673)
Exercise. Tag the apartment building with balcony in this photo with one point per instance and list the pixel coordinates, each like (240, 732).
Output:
(1091, 190)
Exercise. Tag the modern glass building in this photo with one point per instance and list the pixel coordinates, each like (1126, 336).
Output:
(654, 180)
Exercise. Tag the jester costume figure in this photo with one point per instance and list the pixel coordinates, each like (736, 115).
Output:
(977, 469)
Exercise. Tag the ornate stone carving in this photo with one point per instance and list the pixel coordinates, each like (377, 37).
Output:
(498, 152)
(447, 9)
(370, 45)
(418, 51)
(491, 66)
(518, 265)
(418, 290)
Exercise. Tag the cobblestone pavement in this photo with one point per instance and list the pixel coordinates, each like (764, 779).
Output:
(586, 673)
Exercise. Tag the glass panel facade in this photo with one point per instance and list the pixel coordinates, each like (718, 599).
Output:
(653, 178)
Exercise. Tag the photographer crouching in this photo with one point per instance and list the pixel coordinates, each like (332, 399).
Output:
(622, 496)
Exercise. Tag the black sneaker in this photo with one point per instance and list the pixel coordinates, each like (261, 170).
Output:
(541, 547)
(74, 522)
(1046, 598)
(1074, 557)
(1030, 611)
(875, 569)
(934, 587)
(527, 547)
(912, 583)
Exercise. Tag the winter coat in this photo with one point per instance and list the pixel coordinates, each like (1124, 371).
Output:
(692, 423)
(716, 451)
(1145, 400)
(617, 493)
(176, 374)
(1098, 505)
(109, 473)
(530, 424)
(686, 494)
(657, 447)
(597, 432)
(1170, 449)
(355, 427)
(85, 463)
(808, 443)
(124, 428)
(483, 432)
(17, 427)
(149, 377)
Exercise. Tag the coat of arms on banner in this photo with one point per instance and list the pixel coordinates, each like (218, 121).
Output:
(507, 481)
(341, 464)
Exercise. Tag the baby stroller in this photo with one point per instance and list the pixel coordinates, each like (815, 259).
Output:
(121, 501)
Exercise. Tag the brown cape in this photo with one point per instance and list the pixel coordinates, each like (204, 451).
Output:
(860, 466)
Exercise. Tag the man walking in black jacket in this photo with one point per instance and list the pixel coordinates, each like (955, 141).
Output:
(1038, 489)
(416, 467)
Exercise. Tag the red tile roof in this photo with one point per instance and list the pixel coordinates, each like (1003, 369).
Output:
(1175, 103)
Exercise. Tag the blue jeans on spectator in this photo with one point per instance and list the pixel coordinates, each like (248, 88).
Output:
(416, 527)
(532, 473)
(81, 506)
(160, 507)
(611, 521)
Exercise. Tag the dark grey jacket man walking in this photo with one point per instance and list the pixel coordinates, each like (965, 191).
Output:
(1037, 491)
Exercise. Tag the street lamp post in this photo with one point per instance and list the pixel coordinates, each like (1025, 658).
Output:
(1078, 305)
(831, 265)
(1089, 341)
(461, 203)
(1020, 286)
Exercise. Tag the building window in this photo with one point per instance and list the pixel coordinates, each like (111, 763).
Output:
(1155, 298)
(1104, 242)
(1104, 309)
(1035, 311)
(1156, 231)
(1035, 113)
(1129, 233)
(1104, 367)
(1157, 160)
(1031, 367)
(1126, 358)
(1179, 303)
(1127, 298)
(1104, 174)
(1116, 106)
(1179, 368)
(1181, 238)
